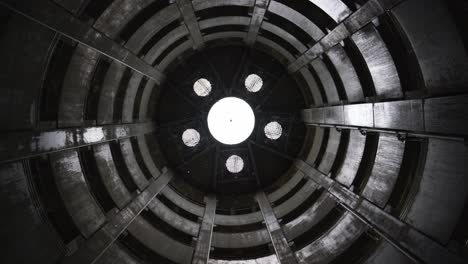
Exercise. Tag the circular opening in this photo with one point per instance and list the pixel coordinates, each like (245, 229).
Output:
(191, 137)
(253, 83)
(273, 130)
(202, 87)
(231, 120)
(234, 164)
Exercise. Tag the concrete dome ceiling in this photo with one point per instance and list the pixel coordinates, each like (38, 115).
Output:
(369, 166)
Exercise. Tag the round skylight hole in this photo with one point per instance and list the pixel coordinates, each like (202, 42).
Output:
(273, 130)
(234, 164)
(191, 137)
(231, 120)
(202, 87)
(253, 83)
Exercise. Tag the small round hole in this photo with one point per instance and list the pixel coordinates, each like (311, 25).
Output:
(191, 137)
(202, 87)
(273, 130)
(234, 164)
(253, 83)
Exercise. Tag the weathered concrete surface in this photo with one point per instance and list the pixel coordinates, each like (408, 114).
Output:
(327, 81)
(116, 254)
(436, 43)
(404, 237)
(109, 89)
(379, 62)
(437, 115)
(272, 259)
(182, 202)
(101, 240)
(354, 154)
(27, 236)
(203, 247)
(442, 191)
(190, 21)
(334, 242)
(66, 24)
(286, 187)
(118, 14)
(357, 20)
(280, 244)
(134, 168)
(336, 9)
(75, 193)
(26, 144)
(241, 239)
(295, 200)
(24, 46)
(256, 20)
(347, 74)
(307, 220)
(328, 159)
(76, 86)
(385, 171)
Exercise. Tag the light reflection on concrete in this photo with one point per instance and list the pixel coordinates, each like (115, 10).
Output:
(266, 260)
(94, 134)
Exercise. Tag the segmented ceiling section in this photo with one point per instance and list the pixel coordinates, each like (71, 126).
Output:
(380, 178)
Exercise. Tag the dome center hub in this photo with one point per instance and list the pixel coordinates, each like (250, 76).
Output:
(231, 120)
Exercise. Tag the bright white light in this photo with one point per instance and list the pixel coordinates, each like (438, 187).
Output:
(202, 87)
(231, 120)
(234, 164)
(273, 130)
(191, 137)
(253, 83)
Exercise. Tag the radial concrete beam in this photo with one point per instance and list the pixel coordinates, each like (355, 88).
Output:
(279, 241)
(437, 117)
(74, 6)
(191, 22)
(102, 239)
(354, 22)
(20, 145)
(258, 15)
(68, 25)
(203, 247)
(400, 234)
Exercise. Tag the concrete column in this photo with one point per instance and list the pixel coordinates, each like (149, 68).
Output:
(202, 250)
(102, 239)
(402, 236)
(20, 145)
(69, 26)
(191, 22)
(279, 241)
(258, 14)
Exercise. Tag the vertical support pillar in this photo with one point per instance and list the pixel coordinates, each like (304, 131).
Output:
(100, 241)
(202, 250)
(280, 244)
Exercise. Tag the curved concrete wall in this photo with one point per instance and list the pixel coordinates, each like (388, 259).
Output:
(357, 95)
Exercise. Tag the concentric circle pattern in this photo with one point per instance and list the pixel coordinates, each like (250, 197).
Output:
(346, 142)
